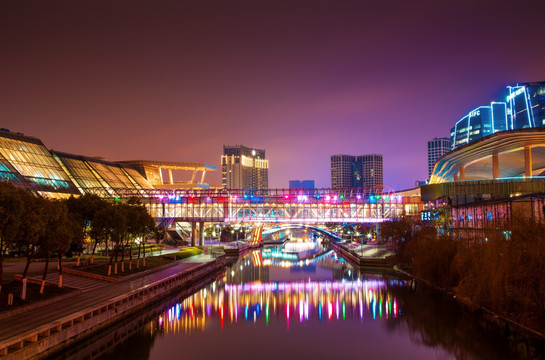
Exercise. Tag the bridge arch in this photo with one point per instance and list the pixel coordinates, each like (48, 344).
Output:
(275, 229)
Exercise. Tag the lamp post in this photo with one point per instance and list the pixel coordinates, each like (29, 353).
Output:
(253, 171)
(368, 237)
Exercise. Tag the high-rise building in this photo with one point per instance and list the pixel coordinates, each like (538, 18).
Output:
(342, 171)
(302, 184)
(244, 168)
(436, 148)
(356, 171)
(524, 107)
(371, 170)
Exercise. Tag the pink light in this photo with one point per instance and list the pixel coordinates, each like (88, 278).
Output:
(359, 197)
(328, 197)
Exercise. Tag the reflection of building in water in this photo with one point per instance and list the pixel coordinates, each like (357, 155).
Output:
(252, 271)
(340, 273)
(369, 298)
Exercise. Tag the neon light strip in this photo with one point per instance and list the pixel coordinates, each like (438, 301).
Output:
(307, 286)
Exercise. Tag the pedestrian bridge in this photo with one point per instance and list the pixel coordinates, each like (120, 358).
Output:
(283, 227)
(354, 205)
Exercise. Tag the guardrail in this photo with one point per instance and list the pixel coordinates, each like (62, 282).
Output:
(43, 340)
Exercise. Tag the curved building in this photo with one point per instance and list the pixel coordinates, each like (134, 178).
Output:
(506, 154)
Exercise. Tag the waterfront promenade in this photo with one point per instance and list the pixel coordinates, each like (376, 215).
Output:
(30, 327)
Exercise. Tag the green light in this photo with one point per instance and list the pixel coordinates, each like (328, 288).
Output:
(344, 311)
(341, 196)
(116, 199)
(390, 306)
(267, 314)
(380, 308)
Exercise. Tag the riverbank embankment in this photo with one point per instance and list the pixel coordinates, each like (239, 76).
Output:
(43, 330)
(527, 342)
(373, 256)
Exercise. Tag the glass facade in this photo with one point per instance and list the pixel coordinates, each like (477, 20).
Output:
(524, 107)
(25, 162)
(101, 177)
(33, 162)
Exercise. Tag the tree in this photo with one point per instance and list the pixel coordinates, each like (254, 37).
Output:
(32, 227)
(84, 210)
(226, 234)
(140, 224)
(11, 213)
(397, 231)
(47, 240)
(111, 223)
(67, 231)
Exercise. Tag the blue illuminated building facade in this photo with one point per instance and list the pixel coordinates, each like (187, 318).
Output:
(524, 107)
(302, 184)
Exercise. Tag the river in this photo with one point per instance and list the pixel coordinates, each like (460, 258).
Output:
(300, 300)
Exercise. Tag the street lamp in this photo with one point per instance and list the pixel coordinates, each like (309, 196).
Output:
(368, 237)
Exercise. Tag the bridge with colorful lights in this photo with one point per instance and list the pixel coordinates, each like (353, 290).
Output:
(354, 205)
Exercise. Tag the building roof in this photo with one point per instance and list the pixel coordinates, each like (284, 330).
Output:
(476, 157)
(169, 165)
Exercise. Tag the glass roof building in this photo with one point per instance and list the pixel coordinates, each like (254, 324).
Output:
(26, 162)
(92, 175)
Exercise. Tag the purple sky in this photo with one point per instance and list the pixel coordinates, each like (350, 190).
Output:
(175, 80)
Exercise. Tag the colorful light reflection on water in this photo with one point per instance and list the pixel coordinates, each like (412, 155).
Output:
(233, 300)
(315, 307)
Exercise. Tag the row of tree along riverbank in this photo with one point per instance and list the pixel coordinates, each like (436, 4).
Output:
(502, 272)
(35, 227)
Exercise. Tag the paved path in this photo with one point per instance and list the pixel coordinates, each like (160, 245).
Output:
(73, 281)
(48, 313)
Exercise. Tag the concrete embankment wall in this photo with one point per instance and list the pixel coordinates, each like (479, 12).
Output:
(359, 262)
(43, 340)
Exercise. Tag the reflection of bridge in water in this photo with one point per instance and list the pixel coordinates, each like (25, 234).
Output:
(369, 297)
(355, 205)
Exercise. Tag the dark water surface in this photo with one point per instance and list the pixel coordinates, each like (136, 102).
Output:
(274, 305)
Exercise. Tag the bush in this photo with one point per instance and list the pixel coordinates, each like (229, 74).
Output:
(503, 275)
(187, 252)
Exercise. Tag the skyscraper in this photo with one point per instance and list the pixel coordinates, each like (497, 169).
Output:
(371, 170)
(436, 148)
(356, 171)
(244, 168)
(342, 171)
(524, 107)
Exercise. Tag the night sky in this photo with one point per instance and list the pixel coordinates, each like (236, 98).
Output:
(175, 80)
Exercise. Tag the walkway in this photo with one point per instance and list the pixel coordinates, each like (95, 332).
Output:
(73, 281)
(27, 321)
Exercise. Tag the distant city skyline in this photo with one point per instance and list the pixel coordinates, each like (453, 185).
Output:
(304, 80)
